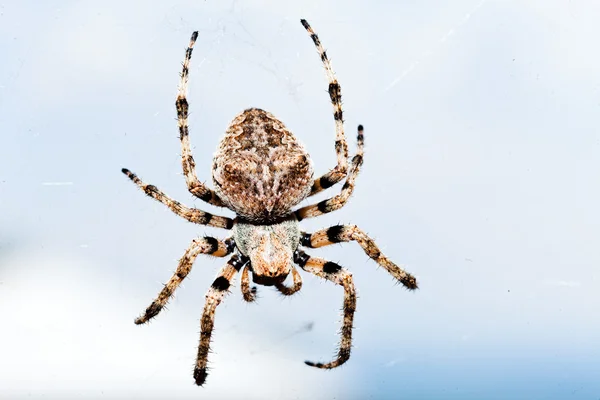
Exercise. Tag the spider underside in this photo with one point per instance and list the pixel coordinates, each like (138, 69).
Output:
(261, 172)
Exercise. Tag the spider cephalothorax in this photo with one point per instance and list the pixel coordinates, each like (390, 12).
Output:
(270, 248)
(261, 172)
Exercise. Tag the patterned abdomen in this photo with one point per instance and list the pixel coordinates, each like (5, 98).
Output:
(260, 170)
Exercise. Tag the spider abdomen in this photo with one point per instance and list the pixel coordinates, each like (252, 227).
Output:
(260, 169)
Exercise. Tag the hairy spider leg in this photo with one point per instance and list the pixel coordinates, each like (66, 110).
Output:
(335, 94)
(191, 214)
(218, 290)
(206, 245)
(340, 276)
(188, 164)
(338, 201)
(348, 233)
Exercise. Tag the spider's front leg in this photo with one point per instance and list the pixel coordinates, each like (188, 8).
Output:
(347, 233)
(338, 275)
(205, 245)
(214, 296)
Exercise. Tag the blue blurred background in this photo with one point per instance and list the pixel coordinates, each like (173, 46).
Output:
(481, 177)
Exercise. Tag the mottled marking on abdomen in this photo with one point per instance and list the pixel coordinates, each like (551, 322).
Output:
(260, 169)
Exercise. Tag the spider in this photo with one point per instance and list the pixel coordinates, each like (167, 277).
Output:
(260, 171)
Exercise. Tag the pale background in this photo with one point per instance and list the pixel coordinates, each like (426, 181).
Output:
(481, 176)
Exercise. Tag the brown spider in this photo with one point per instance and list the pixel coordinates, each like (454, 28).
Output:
(260, 172)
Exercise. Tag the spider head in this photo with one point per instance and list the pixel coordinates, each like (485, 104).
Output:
(270, 260)
(269, 247)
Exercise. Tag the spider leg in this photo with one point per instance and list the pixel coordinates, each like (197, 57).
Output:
(248, 292)
(338, 201)
(214, 296)
(335, 94)
(195, 187)
(336, 274)
(205, 245)
(290, 290)
(347, 233)
(191, 214)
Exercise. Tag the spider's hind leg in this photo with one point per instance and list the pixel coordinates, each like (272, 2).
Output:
(340, 276)
(339, 172)
(188, 164)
